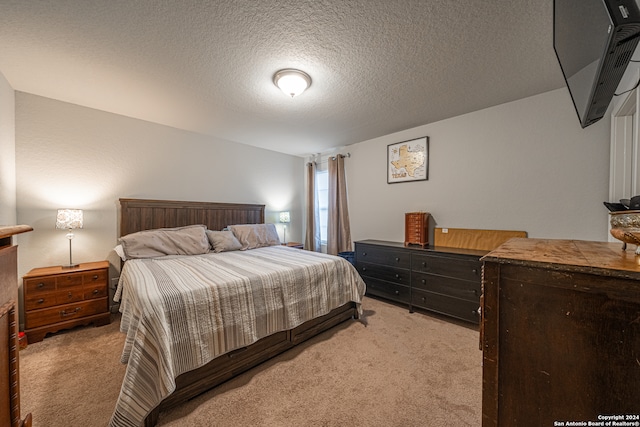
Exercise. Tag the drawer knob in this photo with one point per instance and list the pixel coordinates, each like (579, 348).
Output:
(40, 285)
(95, 291)
(424, 299)
(474, 312)
(397, 292)
(424, 282)
(475, 271)
(364, 268)
(69, 295)
(40, 301)
(364, 254)
(95, 277)
(397, 259)
(397, 276)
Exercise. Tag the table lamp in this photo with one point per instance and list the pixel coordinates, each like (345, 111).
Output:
(285, 218)
(69, 219)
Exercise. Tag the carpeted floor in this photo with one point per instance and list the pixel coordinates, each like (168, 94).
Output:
(392, 368)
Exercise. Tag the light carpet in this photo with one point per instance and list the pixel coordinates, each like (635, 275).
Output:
(391, 368)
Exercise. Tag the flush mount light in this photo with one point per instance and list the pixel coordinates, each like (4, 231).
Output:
(292, 82)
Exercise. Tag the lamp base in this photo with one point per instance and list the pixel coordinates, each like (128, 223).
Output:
(70, 265)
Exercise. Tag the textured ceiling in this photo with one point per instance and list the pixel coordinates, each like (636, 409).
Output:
(378, 66)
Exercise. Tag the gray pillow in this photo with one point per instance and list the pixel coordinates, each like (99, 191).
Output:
(253, 236)
(223, 241)
(189, 240)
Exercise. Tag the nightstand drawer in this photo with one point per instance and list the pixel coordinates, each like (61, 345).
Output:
(69, 294)
(65, 312)
(95, 277)
(40, 285)
(95, 291)
(69, 280)
(38, 300)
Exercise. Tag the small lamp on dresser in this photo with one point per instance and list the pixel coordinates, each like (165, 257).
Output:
(69, 219)
(285, 218)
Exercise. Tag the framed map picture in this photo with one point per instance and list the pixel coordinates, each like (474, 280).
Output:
(408, 161)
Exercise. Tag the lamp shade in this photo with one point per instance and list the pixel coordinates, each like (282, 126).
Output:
(292, 82)
(285, 217)
(69, 219)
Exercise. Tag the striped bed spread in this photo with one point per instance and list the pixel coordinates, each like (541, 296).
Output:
(181, 312)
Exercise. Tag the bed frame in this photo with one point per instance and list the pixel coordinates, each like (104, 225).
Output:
(139, 214)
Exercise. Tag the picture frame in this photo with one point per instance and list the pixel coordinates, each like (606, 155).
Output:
(408, 160)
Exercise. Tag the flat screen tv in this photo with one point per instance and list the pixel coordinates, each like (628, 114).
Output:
(594, 41)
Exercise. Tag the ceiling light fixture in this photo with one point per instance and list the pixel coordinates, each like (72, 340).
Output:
(292, 82)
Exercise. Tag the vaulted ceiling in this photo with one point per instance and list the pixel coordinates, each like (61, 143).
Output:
(378, 66)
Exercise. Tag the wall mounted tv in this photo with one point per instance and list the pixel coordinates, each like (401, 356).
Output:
(594, 41)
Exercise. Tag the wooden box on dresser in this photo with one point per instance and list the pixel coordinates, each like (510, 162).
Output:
(560, 333)
(57, 298)
(440, 279)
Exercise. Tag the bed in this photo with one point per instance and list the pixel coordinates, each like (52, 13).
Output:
(194, 321)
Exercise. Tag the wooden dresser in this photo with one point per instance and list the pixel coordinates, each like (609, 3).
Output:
(57, 298)
(560, 333)
(439, 279)
(9, 353)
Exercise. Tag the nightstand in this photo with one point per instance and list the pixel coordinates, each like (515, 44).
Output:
(57, 298)
(294, 245)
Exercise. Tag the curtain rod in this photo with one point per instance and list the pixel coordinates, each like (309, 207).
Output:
(330, 157)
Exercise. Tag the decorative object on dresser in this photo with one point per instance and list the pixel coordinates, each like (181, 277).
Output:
(57, 298)
(560, 333)
(9, 354)
(69, 219)
(439, 279)
(416, 228)
(408, 161)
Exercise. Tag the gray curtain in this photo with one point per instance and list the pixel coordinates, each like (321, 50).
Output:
(338, 229)
(312, 235)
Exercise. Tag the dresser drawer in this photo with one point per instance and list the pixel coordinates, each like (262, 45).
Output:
(387, 290)
(36, 300)
(463, 289)
(69, 294)
(65, 312)
(96, 277)
(97, 290)
(462, 309)
(40, 285)
(460, 268)
(396, 275)
(67, 280)
(377, 255)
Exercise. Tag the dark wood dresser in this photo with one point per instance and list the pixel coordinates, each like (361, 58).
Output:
(57, 298)
(9, 353)
(560, 333)
(440, 279)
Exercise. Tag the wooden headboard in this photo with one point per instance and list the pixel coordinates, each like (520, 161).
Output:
(141, 214)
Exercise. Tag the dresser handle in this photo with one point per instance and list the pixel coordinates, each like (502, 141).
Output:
(424, 299)
(64, 312)
(40, 285)
(95, 291)
(41, 300)
(475, 271)
(397, 276)
(397, 292)
(364, 268)
(397, 259)
(364, 254)
(424, 264)
(69, 295)
(95, 277)
(424, 282)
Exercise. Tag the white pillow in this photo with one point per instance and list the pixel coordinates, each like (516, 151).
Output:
(253, 236)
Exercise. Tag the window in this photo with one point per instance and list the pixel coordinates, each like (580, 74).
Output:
(322, 188)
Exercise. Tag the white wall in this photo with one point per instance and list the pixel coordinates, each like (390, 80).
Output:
(77, 157)
(526, 165)
(7, 154)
